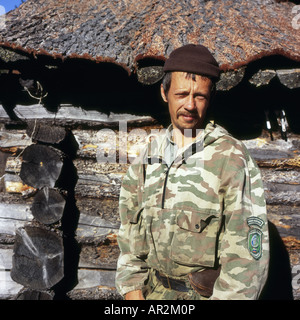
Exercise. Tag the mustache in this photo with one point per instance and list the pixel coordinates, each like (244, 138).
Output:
(187, 114)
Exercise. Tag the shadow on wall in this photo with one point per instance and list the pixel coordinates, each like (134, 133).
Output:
(107, 87)
(279, 282)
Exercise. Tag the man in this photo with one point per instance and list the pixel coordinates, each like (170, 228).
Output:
(193, 215)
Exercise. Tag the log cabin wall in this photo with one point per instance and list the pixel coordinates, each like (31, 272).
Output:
(64, 152)
(79, 85)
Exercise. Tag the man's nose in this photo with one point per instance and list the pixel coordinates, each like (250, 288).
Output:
(190, 105)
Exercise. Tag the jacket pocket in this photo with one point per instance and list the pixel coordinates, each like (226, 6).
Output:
(195, 240)
(138, 239)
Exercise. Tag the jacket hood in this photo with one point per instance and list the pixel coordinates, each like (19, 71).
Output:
(213, 132)
(156, 148)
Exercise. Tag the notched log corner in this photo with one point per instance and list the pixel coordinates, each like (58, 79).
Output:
(38, 258)
(48, 205)
(59, 137)
(41, 166)
(28, 294)
(46, 133)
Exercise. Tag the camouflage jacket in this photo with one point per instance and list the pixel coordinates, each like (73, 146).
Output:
(206, 208)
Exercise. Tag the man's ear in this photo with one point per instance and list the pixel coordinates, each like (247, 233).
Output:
(163, 94)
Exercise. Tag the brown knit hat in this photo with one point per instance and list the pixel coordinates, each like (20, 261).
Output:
(193, 59)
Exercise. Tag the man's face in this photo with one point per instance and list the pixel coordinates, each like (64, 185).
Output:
(188, 100)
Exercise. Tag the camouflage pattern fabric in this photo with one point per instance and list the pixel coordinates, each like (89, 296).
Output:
(206, 208)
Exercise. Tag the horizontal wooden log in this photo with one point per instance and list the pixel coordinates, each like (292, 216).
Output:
(100, 253)
(289, 163)
(94, 233)
(13, 216)
(97, 198)
(6, 254)
(100, 183)
(96, 221)
(282, 198)
(94, 144)
(92, 278)
(106, 209)
(114, 146)
(281, 176)
(92, 284)
(14, 184)
(279, 215)
(92, 167)
(105, 186)
(263, 148)
(281, 186)
(71, 116)
(287, 220)
(8, 287)
(14, 138)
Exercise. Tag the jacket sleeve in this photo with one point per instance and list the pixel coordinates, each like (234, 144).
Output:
(244, 249)
(132, 271)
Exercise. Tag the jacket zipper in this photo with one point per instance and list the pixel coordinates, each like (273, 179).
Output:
(164, 189)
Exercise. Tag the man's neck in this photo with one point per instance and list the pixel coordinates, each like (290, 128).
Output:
(185, 138)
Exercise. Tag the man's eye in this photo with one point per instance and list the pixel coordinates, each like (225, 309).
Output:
(180, 95)
(200, 97)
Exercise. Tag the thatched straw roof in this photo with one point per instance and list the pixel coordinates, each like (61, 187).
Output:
(127, 31)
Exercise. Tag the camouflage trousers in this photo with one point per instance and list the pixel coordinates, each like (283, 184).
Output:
(156, 291)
